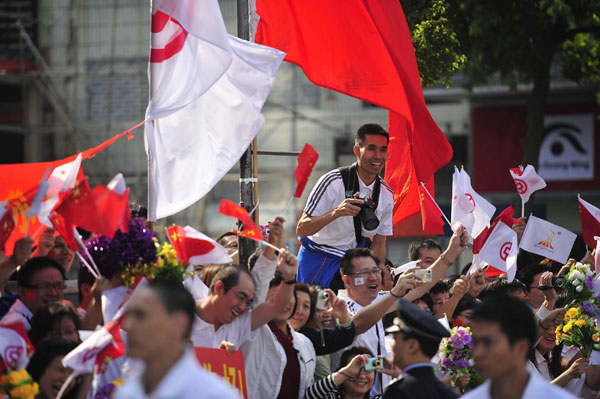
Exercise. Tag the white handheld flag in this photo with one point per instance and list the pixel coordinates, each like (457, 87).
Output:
(62, 178)
(527, 181)
(469, 208)
(547, 239)
(402, 268)
(207, 92)
(500, 250)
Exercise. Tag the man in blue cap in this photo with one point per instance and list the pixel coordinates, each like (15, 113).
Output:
(417, 336)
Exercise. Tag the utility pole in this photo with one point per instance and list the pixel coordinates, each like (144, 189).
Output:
(247, 179)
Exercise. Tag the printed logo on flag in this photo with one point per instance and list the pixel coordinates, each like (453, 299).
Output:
(18, 204)
(466, 203)
(89, 354)
(547, 243)
(162, 23)
(505, 250)
(12, 354)
(521, 186)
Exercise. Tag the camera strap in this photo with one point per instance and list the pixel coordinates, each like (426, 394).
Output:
(351, 186)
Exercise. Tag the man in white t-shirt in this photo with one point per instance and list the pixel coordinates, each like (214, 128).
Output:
(225, 314)
(333, 219)
(504, 330)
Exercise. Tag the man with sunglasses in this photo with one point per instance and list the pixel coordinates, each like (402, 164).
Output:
(40, 281)
(225, 314)
(417, 336)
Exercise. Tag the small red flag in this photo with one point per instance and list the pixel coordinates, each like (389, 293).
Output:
(112, 211)
(64, 229)
(176, 234)
(196, 248)
(431, 216)
(590, 222)
(306, 162)
(234, 210)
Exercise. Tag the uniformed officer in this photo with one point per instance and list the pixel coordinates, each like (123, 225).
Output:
(417, 336)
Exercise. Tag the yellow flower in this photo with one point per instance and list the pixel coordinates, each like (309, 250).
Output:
(580, 323)
(572, 312)
(160, 262)
(15, 377)
(558, 330)
(596, 338)
(568, 327)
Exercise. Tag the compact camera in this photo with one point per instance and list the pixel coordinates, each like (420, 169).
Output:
(322, 300)
(424, 275)
(367, 212)
(374, 363)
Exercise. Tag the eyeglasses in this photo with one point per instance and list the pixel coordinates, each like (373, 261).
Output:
(47, 286)
(366, 273)
(243, 298)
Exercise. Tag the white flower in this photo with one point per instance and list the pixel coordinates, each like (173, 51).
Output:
(576, 283)
(579, 288)
(571, 276)
(580, 275)
(442, 355)
(471, 362)
(589, 271)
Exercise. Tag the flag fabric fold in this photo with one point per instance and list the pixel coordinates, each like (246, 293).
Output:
(547, 239)
(527, 181)
(506, 217)
(207, 92)
(306, 162)
(431, 215)
(378, 65)
(500, 250)
(590, 222)
(469, 208)
(232, 209)
(196, 248)
(15, 347)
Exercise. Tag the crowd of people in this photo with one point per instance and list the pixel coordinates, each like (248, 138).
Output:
(338, 321)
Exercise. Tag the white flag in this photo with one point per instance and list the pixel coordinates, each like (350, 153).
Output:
(207, 92)
(476, 265)
(117, 184)
(61, 179)
(469, 208)
(402, 268)
(547, 239)
(527, 181)
(500, 250)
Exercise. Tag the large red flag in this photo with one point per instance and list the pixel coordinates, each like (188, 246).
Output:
(590, 222)
(232, 209)
(21, 181)
(7, 223)
(372, 59)
(306, 162)
(431, 215)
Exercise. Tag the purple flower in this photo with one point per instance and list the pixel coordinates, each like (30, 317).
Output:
(447, 363)
(459, 345)
(589, 283)
(462, 364)
(455, 353)
(587, 307)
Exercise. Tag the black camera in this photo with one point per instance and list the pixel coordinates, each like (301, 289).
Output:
(367, 213)
(557, 282)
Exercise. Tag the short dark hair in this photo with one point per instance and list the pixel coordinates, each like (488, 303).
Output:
(84, 277)
(220, 239)
(45, 352)
(312, 294)
(175, 298)
(369, 128)
(440, 287)
(526, 274)
(501, 286)
(415, 246)
(466, 302)
(44, 321)
(230, 276)
(515, 318)
(253, 258)
(426, 297)
(33, 266)
(346, 266)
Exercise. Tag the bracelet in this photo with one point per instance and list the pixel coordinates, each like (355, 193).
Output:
(290, 282)
(394, 295)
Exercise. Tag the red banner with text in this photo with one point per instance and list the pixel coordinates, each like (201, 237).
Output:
(230, 367)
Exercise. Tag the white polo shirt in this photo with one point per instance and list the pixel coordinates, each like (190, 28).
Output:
(328, 193)
(237, 332)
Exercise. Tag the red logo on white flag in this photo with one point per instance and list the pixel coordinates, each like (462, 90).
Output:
(505, 250)
(89, 354)
(160, 21)
(521, 186)
(12, 354)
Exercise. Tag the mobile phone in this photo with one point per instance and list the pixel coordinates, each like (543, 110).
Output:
(424, 275)
(374, 363)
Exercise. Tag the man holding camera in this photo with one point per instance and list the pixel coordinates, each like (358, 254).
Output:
(346, 206)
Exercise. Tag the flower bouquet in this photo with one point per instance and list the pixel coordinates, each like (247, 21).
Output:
(456, 357)
(579, 283)
(579, 329)
(167, 265)
(108, 390)
(18, 384)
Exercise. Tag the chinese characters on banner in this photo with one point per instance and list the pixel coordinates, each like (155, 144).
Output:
(230, 367)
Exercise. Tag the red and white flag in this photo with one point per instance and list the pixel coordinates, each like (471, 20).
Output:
(527, 181)
(469, 208)
(196, 248)
(590, 222)
(104, 344)
(500, 250)
(15, 347)
(547, 239)
(207, 91)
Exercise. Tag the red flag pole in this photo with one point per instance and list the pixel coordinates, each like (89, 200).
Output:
(438, 207)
